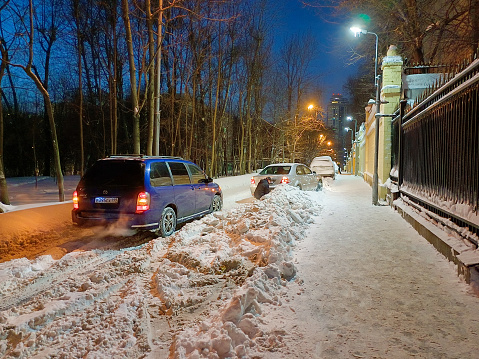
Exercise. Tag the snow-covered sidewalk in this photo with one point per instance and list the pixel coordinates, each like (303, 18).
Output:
(371, 287)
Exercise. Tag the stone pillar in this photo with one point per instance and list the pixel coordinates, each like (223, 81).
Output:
(390, 93)
(369, 135)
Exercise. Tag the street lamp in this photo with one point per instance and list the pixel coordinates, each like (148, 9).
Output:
(316, 110)
(347, 129)
(357, 32)
(349, 118)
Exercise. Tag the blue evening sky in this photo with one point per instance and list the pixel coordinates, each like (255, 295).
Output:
(334, 42)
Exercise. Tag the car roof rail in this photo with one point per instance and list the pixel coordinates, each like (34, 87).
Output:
(167, 157)
(126, 155)
(145, 156)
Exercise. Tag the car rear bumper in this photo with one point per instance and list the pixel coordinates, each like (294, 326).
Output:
(325, 174)
(96, 218)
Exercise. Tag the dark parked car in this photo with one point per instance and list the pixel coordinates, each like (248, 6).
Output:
(144, 192)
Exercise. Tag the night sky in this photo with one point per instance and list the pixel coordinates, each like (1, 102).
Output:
(334, 42)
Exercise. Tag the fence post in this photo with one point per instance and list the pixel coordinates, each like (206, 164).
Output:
(390, 96)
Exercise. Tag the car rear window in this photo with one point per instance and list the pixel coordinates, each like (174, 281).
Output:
(115, 173)
(276, 170)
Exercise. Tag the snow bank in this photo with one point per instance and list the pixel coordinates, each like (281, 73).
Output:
(263, 234)
(218, 274)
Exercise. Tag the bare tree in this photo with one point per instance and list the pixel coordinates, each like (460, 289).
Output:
(425, 31)
(76, 16)
(135, 102)
(3, 181)
(28, 69)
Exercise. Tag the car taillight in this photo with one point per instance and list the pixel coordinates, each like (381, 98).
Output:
(143, 202)
(285, 180)
(75, 200)
(252, 180)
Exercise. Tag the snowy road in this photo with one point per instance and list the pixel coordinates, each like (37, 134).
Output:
(374, 288)
(37, 225)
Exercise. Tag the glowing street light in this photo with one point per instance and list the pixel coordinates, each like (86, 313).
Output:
(316, 110)
(357, 32)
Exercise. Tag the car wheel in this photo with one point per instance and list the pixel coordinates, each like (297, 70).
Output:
(167, 222)
(78, 221)
(216, 204)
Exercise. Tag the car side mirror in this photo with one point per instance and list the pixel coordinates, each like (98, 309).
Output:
(206, 180)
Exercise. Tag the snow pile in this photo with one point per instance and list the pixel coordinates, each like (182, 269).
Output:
(5, 208)
(263, 235)
(217, 275)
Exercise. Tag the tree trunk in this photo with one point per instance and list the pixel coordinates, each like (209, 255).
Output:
(53, 131)
(134, 91)
(76, 14)
(3, 181)
(48, 108)
(156, 147)
(114, 86)
(151, 80)
(213, 171)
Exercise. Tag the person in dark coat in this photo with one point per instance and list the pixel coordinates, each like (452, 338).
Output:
(262, 188)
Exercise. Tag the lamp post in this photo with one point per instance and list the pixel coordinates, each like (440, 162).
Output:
(316, 110)
(357, 32)
(347, 129)
(350, 118)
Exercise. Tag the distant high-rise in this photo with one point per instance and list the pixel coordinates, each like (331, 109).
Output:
(338, 110)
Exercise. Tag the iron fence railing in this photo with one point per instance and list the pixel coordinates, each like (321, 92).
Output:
(437, 149)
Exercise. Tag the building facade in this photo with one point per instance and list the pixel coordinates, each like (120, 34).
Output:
(338, 110)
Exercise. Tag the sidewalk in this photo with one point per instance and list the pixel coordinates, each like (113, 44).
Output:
(26, 192)
(374, 288)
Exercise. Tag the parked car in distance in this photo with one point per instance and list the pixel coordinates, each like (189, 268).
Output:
(324, 166)
(294, 174)
(144, 192)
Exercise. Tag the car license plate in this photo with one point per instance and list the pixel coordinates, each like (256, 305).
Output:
(106, 199)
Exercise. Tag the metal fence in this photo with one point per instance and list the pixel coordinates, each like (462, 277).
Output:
(435, 145)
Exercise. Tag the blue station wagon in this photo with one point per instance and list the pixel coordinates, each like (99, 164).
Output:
(144, 192)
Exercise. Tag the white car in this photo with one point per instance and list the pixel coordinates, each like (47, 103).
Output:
(324, 166)
(294, 174)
